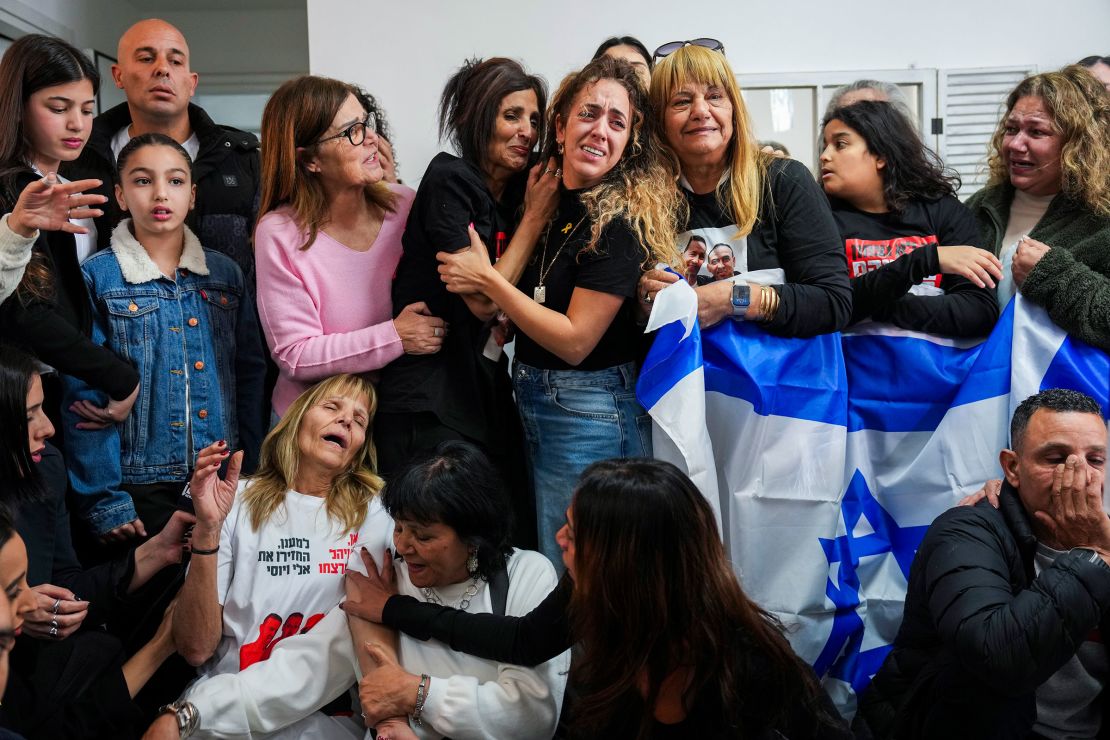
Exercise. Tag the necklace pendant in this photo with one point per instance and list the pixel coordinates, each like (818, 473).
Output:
(539, 293)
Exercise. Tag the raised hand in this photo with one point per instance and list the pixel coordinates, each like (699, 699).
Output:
(212, 495)
(1074, 516)
(48, 204)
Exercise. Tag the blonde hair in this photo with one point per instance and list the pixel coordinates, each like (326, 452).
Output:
(747, 166)
(296, 116)
(1080, 111)
(351, 491)
(641, 186)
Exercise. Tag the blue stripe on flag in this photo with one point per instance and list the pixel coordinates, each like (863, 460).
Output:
(670, 360)
(908, 384)
(1080, 367)
(798, 378)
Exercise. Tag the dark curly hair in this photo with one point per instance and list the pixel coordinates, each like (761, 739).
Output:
(913, 171)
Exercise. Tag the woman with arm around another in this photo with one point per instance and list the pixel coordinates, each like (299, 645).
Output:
(269, 554)
(1046, 208)
(451, 537)
(574, 310)
(670, 644)
(905, 233)
(768, 209)
(491, 111)
(327, 242)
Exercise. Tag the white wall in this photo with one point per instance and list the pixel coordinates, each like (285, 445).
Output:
(403, 55)
(90, 24)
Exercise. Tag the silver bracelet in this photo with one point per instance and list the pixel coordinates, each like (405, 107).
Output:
(421, 696)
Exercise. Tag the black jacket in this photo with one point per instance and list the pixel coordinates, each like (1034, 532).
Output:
(226, 173)
(980, 633)
(56, 329)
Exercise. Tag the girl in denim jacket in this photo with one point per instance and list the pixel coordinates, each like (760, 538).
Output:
(182, 316)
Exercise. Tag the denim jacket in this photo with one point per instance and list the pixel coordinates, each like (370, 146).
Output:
(196, 345)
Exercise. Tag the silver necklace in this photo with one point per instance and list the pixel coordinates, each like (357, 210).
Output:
(432, 597)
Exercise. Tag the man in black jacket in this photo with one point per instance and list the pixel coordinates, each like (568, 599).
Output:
(153, 70)
(1001, 634)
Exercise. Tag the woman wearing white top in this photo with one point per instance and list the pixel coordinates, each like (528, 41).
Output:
(269, 555)
(452, 530)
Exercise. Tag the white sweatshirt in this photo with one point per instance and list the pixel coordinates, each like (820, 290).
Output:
(468, 697)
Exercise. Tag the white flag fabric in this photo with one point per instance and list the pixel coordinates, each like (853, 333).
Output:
(827, 458)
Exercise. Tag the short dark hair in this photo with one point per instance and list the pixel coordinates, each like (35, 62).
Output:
(726, 246)
(1091, 61)
(459, 487)
(913, 171)
(632, 41)
(150, 139)
(1059, 400)
(19, 476)
(697, 237)
(472, 98)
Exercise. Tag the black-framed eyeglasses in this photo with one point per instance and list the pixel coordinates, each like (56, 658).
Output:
(672, 46)
(355, 133)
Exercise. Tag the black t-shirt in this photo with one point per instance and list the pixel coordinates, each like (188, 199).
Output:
(458, 383)
(794, 231)
(894, 265)
(613, 267)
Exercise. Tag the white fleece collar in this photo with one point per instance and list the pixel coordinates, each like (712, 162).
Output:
(136, 264)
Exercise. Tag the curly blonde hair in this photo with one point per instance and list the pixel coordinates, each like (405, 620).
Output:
(1080, 111)
(747, 166)
(641, 186)
(351, 491)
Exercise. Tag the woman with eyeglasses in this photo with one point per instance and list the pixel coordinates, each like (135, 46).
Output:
(574, 373)
(491, 112)
(328, 242)
(794, 277)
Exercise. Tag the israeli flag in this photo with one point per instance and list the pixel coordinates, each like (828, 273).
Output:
(828, 458)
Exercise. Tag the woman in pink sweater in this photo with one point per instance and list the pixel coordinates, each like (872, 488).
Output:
(328, 242)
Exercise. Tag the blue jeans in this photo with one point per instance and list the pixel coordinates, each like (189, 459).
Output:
(572, 418)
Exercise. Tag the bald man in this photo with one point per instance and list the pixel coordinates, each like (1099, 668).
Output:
(153, 71)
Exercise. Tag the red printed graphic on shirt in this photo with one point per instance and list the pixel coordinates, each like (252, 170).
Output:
(865, 255)
(272, 631)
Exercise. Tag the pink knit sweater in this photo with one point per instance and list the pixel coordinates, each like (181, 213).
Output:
(326, 309)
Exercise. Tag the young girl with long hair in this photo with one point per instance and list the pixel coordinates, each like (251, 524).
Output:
(912, 247)
(181, 315)
(47, 100)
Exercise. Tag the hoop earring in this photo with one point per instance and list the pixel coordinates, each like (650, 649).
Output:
(559, 148)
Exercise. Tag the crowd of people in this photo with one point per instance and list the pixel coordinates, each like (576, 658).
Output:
(277, 425)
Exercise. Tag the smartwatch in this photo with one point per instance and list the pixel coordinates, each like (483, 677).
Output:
(741, 299)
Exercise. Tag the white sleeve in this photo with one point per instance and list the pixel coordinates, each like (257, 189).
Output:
(303, 673)
(15, 253)
(523, 702)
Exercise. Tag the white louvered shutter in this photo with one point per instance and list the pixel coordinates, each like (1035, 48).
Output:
(972, 102)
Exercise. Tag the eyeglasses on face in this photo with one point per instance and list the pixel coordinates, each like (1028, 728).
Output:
(355, 133)
(672, 46)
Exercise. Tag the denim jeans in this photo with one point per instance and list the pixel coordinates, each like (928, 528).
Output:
(572, 418)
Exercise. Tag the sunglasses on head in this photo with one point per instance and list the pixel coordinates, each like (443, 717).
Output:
(672, 46)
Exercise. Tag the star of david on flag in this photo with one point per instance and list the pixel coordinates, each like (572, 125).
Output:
(827, 458)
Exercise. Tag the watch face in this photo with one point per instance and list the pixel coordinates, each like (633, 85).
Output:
(741, 295)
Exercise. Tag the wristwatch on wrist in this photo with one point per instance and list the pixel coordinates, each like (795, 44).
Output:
(187, 715)
(741, 299)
